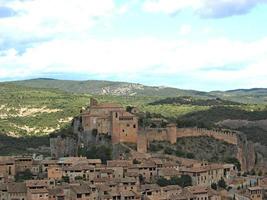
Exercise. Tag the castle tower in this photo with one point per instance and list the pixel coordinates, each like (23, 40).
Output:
(142, 143)
(115, 128)
(93, 102)
(171, 133)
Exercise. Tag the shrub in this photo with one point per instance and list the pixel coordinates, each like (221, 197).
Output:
(214, 186)
(168, 150)
(183, 181)
(234, 161)
(22, 176)
(222, 183)
(66, 179)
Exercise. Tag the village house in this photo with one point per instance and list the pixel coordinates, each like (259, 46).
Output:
(204, 193)
(147, 170)
(7, 169)
(77, 172)
(205, 174)
(263, 185)
(151, 191)
(13, 191)
(56, 194)
(54, 172)
(255, 193)
(38, 189)
(80, 192)
(168, 173)
(22, 163)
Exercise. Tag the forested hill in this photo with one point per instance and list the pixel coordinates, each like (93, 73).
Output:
(96, 87)
(108, 88)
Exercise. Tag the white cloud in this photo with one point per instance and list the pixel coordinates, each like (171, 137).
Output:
(170, 6)
(204, 8)
(185, 29)
(50, 18)
(64, 44)
(140, 56)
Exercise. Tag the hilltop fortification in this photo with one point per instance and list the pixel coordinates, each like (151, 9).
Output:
(109, 122)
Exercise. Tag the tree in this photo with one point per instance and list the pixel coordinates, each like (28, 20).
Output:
(253, 172)
(168, 150)
(222, 183)
(22, 176)
(78, 178)
(163, 182)
(190, 155)
(102, 152)
(185, 181)
(136, 161)
(66, 179)
(234, 161)
(214, 186)
(141, 179)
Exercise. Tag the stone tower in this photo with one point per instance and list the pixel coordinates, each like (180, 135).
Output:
(171, 133)
(142, 143)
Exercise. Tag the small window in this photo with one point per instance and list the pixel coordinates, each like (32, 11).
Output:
(134, 126)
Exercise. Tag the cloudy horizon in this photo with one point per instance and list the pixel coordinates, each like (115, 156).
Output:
(195, 44)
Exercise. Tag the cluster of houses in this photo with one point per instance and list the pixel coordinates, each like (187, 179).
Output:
(79, 178)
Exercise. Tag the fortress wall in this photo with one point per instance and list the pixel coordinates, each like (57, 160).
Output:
(230, 138)
(156, 134)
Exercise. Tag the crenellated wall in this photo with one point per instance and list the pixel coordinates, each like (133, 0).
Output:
(160, 134)
(171, 133)
(231, 138)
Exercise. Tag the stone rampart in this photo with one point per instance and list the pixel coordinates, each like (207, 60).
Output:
(226, 136)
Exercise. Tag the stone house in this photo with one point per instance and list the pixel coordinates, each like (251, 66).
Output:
(22, 163)
(13, 191)
(80, 192)
(205, 174)
(147, 170)
(38, 189)
(204, 193)
(7, 169)
(54, 172)
(255, 193)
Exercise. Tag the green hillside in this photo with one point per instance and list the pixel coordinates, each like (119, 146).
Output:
(96, 87)
(253, 96)
(44, 109)
(31, 111)
(107, 88)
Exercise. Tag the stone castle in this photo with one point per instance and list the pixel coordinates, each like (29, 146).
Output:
(105, 122)
(113, 121)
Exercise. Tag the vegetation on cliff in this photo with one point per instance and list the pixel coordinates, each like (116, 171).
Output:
(201, 148)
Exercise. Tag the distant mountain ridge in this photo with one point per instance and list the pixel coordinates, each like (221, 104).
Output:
(99, 87)
(107, 88)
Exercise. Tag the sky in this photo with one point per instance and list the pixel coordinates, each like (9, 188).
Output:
(189, 44)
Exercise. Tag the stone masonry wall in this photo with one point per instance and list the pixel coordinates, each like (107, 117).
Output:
(230, 138)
